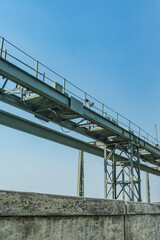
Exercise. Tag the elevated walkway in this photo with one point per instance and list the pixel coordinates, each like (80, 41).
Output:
(125, 147)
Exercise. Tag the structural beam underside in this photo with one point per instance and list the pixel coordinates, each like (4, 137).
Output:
(38, 130)
(25, 79)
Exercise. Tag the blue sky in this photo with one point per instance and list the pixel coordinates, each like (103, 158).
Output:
(111, 49)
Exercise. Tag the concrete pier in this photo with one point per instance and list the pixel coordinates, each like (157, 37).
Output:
(37, 216)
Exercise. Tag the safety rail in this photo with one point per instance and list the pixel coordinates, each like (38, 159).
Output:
(42, 72)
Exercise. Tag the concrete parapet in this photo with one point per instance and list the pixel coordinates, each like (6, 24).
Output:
(44, 216)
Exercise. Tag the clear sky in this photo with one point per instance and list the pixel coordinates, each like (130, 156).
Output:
(111, 49)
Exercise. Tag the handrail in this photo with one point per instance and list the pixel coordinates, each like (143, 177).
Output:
(86, 98)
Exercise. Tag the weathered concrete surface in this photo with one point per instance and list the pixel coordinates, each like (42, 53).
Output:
(66, 228)
(35, 216)
(142, 227)
(35, 204)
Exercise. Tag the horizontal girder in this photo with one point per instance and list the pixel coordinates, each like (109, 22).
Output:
(38, 130)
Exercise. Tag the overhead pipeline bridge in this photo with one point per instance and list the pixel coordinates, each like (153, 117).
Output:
(126, 148)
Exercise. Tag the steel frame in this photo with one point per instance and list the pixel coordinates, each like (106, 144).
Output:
(121, 159)
(28, 81)
(118, 177)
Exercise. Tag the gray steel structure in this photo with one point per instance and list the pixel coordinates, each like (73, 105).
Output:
(123, 148)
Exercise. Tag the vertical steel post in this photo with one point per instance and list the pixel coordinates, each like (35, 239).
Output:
(36, 70)
(131, 172)
(123, 181)
(5, 53)
(105, 172)
(102, 109)
(148, 199)
(114, 187)
(129, 176)
(85, 97)
(156, 133)
(80, 179)
(1, 48)
(138, 175)
(129, 125)
(139, 132)
(64, 85)
(117, 118)
(44, 77)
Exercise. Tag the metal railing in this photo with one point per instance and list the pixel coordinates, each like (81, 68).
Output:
(39, 70)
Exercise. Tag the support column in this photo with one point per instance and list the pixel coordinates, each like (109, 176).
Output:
(114, 187)
(147, 188)
(131, 172)
(109, 174)
(138, 176)
(105, 172)
(123, 183)
(80, 179)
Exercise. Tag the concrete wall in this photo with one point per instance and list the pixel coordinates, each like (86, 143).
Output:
(41, 216)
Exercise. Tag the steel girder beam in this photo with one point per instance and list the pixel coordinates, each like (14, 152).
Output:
(16, 102)
(38, 130)
(25, 79)
(30, 82)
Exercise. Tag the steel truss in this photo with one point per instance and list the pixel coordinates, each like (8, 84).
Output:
(121, 179)
(121, 159)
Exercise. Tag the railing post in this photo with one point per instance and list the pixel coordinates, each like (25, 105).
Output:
(117, 118)
(64, 85)
(1, 49)
(102, 109)
(85, 97)
(129, 124)
(139, 133)
(43, 77)
(147, 137)
(5, 53)
(36, 70)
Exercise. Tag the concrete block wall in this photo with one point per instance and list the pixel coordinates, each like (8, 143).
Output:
(33, 216)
